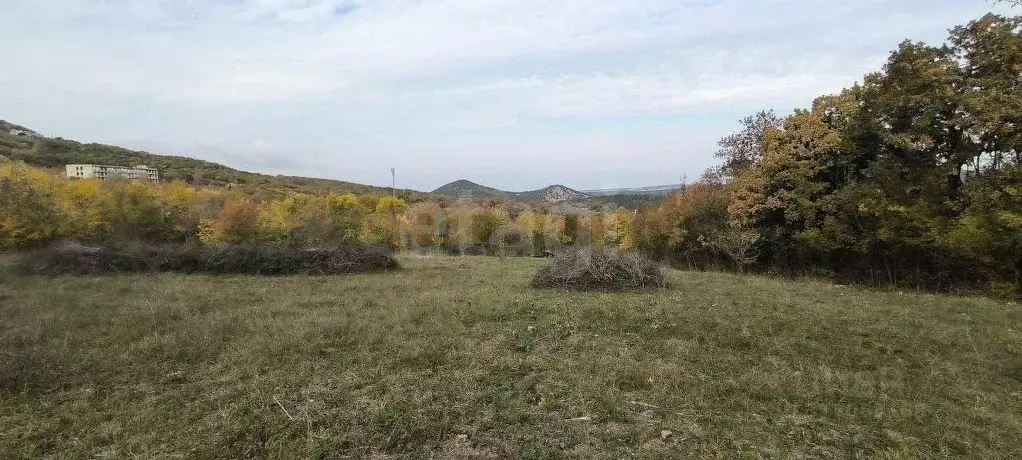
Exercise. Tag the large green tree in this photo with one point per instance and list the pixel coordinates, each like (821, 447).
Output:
(914, 173)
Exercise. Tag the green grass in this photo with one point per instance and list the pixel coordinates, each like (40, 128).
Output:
(458, 358)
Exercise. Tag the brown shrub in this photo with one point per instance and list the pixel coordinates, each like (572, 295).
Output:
(511, 240)
(75, 259)
(600, 269)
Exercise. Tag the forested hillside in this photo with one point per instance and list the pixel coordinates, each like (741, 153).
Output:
(55, 153)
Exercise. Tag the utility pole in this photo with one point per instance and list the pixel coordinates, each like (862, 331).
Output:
(393, 184)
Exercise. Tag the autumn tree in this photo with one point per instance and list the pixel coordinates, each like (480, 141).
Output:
(742, 149)
(28, 211)
(904, 178)
(133, 211)
(569, 229)
(689, 217)
(238, 223)
(484, 221)
(539, 225)
(426, 222)
(385, 224)
(619, 232)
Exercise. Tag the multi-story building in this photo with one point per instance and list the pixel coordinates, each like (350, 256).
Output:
(104, 172)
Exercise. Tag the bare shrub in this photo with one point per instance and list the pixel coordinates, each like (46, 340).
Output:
(600, 269)
(76, 260)
(737, 241)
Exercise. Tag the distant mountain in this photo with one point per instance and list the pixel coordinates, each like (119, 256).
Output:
(650, 190)
(551, 194)
(45, 152)
(467, 189)
(470, 190)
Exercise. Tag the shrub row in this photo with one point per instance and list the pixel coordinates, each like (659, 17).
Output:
(76, 259)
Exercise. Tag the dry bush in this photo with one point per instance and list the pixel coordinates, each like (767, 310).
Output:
(75, 259)
(511, 240)
(600, 269)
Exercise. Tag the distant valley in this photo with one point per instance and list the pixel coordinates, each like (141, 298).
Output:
(651, 190)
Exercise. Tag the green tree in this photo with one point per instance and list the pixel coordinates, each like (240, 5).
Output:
(134, 212)
(742, 149)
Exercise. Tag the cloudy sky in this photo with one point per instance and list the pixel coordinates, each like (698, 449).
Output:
(516, 94)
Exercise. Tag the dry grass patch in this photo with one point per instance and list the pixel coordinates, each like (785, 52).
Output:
(458, 358)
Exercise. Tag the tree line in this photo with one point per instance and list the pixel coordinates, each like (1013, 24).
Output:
(39, 206)
(911, 177)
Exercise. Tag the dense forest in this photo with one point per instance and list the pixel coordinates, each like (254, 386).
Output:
(911, 177)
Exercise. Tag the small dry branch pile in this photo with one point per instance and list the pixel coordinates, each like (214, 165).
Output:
(602, 270)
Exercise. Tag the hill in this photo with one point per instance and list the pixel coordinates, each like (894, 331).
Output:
(17, 130)
(470, 190)
(55, 153)
(551, 194)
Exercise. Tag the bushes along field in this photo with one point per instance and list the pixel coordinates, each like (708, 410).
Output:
(76, 259)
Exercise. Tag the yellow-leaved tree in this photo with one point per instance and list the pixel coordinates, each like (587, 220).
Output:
(384, 225)
(620, 231)
(28, 206)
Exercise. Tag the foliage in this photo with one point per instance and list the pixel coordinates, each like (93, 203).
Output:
(540, 226)
(744, 148)
(619, 231)
(484, 222)
(511, 240)
(910, 178)
(427, 221)
(737, 242)
(691, 217)
(238, 224)
(569, 229)
(386, 224)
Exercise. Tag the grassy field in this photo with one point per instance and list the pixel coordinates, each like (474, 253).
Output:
(458, 358)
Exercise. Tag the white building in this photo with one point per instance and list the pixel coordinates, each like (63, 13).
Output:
(104, 172)
(23, 133)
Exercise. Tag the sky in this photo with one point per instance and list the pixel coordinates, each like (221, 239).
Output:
(514, 94)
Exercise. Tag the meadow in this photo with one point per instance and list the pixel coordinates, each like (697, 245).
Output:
(457, 357)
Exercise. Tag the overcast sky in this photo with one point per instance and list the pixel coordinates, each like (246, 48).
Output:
(515, 94)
